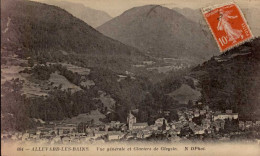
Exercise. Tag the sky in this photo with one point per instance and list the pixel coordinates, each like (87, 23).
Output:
(116, 7)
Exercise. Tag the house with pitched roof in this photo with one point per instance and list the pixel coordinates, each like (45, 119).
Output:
(227, 115)
(140, 125)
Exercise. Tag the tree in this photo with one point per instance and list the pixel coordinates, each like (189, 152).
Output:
(92, 121)
(30, 62)
(190, 104)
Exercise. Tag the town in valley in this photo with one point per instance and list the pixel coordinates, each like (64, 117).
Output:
(195, 124)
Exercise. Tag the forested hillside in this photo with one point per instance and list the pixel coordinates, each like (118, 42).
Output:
(231, 81)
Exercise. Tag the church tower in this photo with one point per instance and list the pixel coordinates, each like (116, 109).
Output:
(131, 119)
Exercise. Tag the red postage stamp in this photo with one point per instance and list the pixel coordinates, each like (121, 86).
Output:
(228, 25)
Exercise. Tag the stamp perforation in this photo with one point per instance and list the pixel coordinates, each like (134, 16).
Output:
(213, 7)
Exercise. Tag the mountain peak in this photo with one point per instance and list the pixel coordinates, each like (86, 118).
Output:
(162, 32)
(89, 15)
(149, 11)
(34, 26)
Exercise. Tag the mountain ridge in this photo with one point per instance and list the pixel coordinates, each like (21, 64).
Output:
(51, 59)
(91, 16)
(46, 33)
(231, 80)
(162, 32)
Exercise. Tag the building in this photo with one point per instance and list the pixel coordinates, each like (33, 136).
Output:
(132, 125)
(114, 124)
(258, 141)
(229, 111)
(200, 103)
(218, 124)
(196, 114)
(228, 115)
(166, 113)
(123, 128)
(143, 134)
(98, 134)
(198, 130)
(130, 136)
(206, 107)
(241, 125)
(131, 120)
(25, 136)
(173, 132)
(190, 117)
(115, 135)
(147, 134)
(178, 124)
(172, 126)
(66, 128)
(202, 112)
(248, 124)
(66, 140)
(209, 116)
(136, 126)
(218, 112)
(206, 123)
(152, 128)
(160, 121)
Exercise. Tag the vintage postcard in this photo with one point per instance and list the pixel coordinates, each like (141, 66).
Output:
(130, 77)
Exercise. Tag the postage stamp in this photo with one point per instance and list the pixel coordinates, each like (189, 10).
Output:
(228, 25)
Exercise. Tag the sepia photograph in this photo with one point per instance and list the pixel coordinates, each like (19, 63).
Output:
(130, 77)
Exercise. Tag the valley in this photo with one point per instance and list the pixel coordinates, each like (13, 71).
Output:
(55, 67)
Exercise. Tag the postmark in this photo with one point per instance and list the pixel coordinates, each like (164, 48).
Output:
(227, 24)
